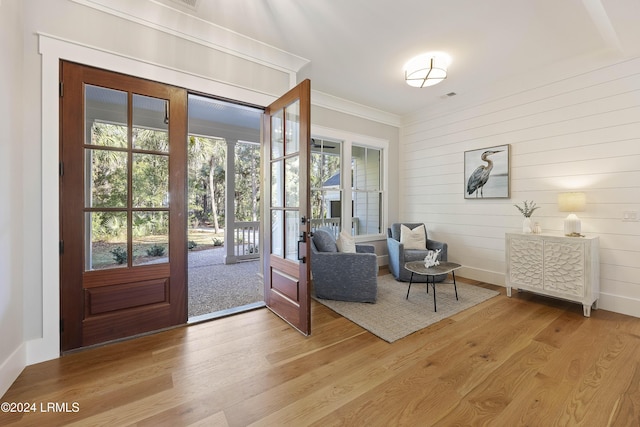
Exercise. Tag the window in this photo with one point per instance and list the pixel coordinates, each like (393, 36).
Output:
(326, 185)
(366, 189)
(341, 161)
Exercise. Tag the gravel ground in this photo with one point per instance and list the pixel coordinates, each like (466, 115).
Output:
(214, 286)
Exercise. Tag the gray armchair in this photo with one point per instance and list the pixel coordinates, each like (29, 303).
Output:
(398, 255)
(343, 276)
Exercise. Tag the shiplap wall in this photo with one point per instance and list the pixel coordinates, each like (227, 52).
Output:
(581, 132)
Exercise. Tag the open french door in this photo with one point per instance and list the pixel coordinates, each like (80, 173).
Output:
(286, 144)
(122, 206)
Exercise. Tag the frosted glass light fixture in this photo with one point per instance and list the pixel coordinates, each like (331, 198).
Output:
(572, 202)
(427, 69)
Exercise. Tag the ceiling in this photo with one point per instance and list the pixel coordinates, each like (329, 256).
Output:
(357, 48)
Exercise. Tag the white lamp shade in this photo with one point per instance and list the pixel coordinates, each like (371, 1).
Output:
(571, 202)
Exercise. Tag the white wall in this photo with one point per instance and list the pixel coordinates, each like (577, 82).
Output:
(580, 131)
(14, 254)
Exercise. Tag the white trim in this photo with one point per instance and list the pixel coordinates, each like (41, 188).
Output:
(341, 105)
(194, 29)
(11, 368)
(619, 304)
(113, 61)
(487, 276)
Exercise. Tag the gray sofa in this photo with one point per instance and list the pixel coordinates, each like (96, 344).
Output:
(343, 276)
(398, 255)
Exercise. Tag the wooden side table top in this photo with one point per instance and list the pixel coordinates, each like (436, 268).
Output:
(444, 267)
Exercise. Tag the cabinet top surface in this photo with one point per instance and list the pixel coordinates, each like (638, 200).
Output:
(552, 236)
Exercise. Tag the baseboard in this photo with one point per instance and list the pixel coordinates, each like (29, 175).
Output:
(12, 367)
(492, 277)
(619, 304)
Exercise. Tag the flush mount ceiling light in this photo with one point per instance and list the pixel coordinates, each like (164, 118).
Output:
(427, 69)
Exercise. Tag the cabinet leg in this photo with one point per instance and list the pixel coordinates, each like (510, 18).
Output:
(586, 308)
(509, 291)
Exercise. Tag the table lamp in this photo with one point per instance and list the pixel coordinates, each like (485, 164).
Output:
(571, 202)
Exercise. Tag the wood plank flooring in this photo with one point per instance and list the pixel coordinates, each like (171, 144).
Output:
(521, 361)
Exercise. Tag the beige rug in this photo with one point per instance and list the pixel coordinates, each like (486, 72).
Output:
(393, 317)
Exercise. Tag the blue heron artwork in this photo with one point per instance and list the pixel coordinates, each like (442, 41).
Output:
(486, 173)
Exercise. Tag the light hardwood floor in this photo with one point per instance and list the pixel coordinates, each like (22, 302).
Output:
(521, 361)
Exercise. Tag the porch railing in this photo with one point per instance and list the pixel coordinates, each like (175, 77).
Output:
(334, 224)
(246, 238)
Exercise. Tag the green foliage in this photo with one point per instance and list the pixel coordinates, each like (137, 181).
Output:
(527, 209)
(247, 197)
(119, 255)
(192, 244)
(155, 250)
(323, 167)
(217, 241)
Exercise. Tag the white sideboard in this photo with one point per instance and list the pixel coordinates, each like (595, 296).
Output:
(557, 266)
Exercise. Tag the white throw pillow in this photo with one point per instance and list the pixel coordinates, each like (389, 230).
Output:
(346, 242)
(413, 239)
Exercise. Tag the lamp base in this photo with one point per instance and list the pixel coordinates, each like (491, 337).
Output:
(572, 226)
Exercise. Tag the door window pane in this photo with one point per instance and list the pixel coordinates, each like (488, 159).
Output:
(277, 233)
(150, 181)
(292, 181)
(292, 128)
(292, 234)
(150, 124)
(105, 240)
(105, 117)
(277, 135)
(105, 178)
(277, 184)
(150, 237)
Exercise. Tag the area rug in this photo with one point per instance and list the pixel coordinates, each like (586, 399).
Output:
(393, 316)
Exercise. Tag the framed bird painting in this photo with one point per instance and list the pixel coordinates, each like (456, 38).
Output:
(486, 173)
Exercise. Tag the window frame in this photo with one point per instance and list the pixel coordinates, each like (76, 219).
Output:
(348, 140)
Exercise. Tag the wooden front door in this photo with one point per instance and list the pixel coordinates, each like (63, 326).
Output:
(286, 250)
(122, 206)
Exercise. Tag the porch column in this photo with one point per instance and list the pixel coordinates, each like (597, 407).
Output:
(230, 213)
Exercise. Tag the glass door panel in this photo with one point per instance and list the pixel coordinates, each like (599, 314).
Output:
(105, 178)
(151, 232)
(150, 124)
(292, 181)
(150, 181)
(106, 240)
(292, 128)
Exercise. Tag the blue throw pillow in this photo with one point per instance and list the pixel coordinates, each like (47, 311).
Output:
(324, 241)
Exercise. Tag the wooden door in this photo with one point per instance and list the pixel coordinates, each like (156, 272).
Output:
(287, 272)
(122, 205)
